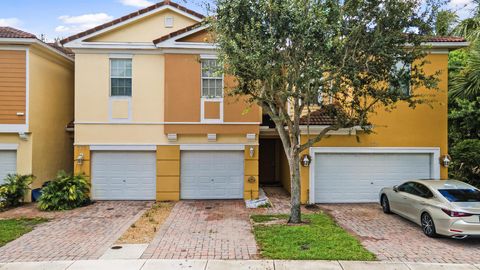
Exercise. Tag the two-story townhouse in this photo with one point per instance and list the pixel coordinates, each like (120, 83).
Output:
(153, 121)
(36, 104)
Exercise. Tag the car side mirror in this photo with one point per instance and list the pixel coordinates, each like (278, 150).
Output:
(395, 188)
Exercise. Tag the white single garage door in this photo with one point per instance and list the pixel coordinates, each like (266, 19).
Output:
(211, 175)
(8, 163)
(123, 175)
(346, 178)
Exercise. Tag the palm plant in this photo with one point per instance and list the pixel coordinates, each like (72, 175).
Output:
(466, 84)
(470, 27)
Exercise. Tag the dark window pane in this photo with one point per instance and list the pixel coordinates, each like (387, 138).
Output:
(461, 195)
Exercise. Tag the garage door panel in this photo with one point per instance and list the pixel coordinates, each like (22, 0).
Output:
(123, 175)
(8, 163)
(211, 175)
(359, 177)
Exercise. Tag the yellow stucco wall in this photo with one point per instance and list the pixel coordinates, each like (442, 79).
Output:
(424, 126)
(146, 29)
(51, 109)
(168, 173)
(250, 186)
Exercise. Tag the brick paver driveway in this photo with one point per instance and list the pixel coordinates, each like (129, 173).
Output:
(393, 238)
(84, 233)
(205, 230)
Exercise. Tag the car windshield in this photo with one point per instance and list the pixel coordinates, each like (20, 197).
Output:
(461, 195)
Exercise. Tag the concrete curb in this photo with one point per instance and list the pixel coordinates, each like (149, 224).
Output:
(229, 265)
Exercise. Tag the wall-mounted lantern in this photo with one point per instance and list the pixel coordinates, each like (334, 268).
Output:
(445, 160)
(306, 160)
(80, 159)
(252, 151)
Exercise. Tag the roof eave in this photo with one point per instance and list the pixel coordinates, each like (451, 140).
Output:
(33, 41)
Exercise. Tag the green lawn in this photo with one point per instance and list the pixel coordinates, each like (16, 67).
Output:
(319, 239)
(11, 229)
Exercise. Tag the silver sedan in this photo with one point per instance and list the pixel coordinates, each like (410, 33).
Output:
(441, 207)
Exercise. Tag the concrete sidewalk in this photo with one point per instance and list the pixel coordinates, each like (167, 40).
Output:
(228, 265)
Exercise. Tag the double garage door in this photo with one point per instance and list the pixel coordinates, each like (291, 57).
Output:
(348, 178)
(8, 163)
(129, 175)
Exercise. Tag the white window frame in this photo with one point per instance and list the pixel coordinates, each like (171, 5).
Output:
(120, 57)
(203, 99)
(433, 151)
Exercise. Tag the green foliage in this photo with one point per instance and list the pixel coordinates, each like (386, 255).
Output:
(444, 22)
(64, 193)
(466, 83)
(11, 229)
(463, 120)
(466, 161)
(318, 239)
(14, 188)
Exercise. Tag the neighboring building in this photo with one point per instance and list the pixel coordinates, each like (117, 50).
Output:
(36, 104)
(152, 121)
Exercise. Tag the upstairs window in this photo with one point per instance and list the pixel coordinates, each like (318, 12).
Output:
(212, 79)
(121, 77)
(401, 78)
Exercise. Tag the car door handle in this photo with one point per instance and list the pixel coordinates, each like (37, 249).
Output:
(404, 197)
(423, 203)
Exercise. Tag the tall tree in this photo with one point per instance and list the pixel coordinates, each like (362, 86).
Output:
(285, 54)
(466, 82)
(470, 27)
(445, 20)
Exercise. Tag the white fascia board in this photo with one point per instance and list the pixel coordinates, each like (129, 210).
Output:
(159, 9)
(111, 45)
(31, 41)
(114, 147)
(446, 45)
(8, 146)
(212, 147)
(12, 128)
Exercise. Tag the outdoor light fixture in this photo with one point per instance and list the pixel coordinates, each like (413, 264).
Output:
(252, 151)
(306, 160)
(446, 160)
(80, 159)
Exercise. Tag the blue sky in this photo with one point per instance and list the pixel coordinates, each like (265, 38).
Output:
(62, 18)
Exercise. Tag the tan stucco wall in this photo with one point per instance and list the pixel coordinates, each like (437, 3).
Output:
(24, 151)
(403, 127)
(146, 29)
(92, 84)
(51, 109)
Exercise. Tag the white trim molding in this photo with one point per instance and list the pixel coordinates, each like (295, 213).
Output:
(433, 151)
(212, 147)
(8, 146)
(12, 128)
(204, 100)
(165, 123)
(106, 147)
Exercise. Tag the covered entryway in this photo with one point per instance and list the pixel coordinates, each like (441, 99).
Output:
(8, 163)
(211, 174)
(359, 174)
(123, 175)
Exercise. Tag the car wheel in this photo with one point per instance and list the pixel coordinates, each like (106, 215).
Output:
(385, 204)
(428, 226)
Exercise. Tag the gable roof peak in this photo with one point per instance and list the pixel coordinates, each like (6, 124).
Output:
(133, 15)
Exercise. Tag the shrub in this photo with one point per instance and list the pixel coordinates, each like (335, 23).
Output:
(14, 188)
(466, 161)
(64, 192)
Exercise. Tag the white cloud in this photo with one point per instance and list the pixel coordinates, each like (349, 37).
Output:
(12, 22)
(136, 3)
(463, 8)
(74, 24)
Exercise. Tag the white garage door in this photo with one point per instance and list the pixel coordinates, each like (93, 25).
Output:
(8, 163)
(120, 175)
(211, 175)
(343, 178)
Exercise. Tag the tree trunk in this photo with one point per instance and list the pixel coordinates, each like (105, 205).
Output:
(295, 211)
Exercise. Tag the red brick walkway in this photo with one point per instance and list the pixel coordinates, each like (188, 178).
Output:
(393, 238)
(84, 233)
(205, 230)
